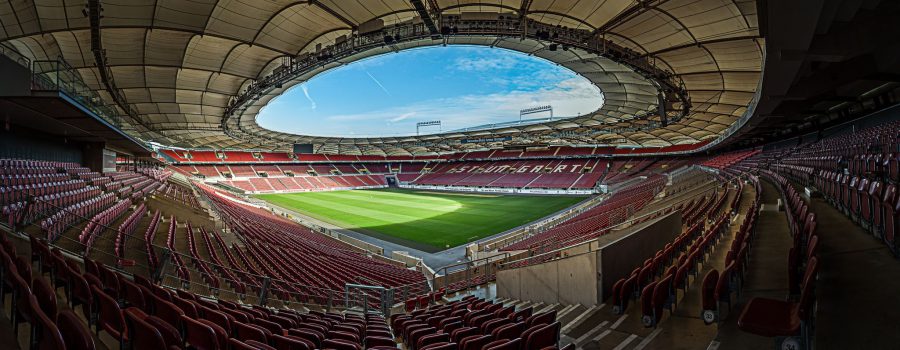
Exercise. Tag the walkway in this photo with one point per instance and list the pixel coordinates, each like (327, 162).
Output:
(766, 273)
(858, 291)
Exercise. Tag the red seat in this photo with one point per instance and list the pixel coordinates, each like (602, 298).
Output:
(132, 294)
(345, 336)
(410, 305)
(475, 342)
(287, 342)
(615, 298)
(110, 317)
(491, 325)
(75, 335)
(647, 304)
(779, 318)
(458, 335)
(432, 339)
(80, 294)
(512, 344)
(239, 345)
(338, 344)
(199, 335)
(440, 346)
(415, 335)
(509, 331)
(45, 296)
(372, 341)
(522, 314)
(48, 337)
(541, 336)
(890, 205)
(546, 317)
(145, 336)
(710, 309)
(309, 334)
(167, 312)
(723, 285)
(659, 301)
(250, 332)
(170, 334)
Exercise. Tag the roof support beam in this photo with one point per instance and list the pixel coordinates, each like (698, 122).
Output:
(425, 16)
(700, 43)
(629, 13)
(94, 16)
(334, 13)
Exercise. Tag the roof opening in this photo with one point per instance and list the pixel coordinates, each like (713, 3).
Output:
(431, 90)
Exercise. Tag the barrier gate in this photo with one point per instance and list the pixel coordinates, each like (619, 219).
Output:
(374, 299)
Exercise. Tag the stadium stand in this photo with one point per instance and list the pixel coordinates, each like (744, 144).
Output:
(736, 187)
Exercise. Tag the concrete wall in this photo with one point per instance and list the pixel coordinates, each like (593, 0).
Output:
(565, 281)
(587, 271)
(619, 257)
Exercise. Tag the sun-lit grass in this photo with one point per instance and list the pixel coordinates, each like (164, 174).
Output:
(424, 220)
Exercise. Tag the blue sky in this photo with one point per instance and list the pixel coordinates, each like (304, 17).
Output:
(462, 86)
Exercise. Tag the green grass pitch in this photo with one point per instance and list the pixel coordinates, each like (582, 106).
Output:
(429, 221)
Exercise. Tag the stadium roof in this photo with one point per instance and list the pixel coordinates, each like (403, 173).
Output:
(194, 73)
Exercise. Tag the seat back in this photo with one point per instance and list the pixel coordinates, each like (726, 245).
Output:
(661, 296)
(222, 319)
(167, 311)
(541, 318)
(807, 295)
(48, 336)
(372, 341)
(46, 296)
(512, 344)
(339, 344)
(708, 289)
(133, 294)
(314, 336)
(542, 336)
(110, 315)
(199, 335)
(475, 342)
(521, 315)
(282, 342)
(144, 335)
(249, 332)
(74, 333)
(509, 331)
(723, 285)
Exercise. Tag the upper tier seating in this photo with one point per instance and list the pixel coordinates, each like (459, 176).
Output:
(857, 172)
(204, 156)
(595, 221)
(581, 174)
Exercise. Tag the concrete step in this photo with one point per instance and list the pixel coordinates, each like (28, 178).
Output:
(546, 308)
(570, 313)
(581, 321)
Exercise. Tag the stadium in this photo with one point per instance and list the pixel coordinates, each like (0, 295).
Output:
(449, 174)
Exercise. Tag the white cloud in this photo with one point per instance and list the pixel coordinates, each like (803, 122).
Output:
(485, 63)
(378, 83)
(306, 93)
(569, 98)
(402, 117)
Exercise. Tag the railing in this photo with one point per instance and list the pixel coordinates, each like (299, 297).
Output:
(59, 76)
(591, 245)
(15, 56)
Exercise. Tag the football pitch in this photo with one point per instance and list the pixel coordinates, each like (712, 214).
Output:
(428, 221)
